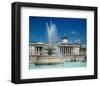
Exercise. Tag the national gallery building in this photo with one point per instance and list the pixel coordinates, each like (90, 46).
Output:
(67, 50)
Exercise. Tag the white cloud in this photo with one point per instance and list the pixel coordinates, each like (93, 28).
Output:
(77, 41)
(74, 33)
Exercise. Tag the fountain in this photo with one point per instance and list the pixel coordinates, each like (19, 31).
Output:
(54, 56)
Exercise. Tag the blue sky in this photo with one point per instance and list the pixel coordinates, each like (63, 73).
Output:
(74, 28)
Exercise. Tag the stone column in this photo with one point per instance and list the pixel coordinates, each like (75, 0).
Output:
(61, 49)
(65, 50)
(72, 51)
(69, 50)
(36, 50)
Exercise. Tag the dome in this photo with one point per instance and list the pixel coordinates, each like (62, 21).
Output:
(64, 39)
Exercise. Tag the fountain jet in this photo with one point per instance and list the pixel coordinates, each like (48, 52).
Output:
(53, 38)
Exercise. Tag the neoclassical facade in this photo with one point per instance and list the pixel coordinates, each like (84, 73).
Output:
(66, 49)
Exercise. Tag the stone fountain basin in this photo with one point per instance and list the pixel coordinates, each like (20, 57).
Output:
(49, 60)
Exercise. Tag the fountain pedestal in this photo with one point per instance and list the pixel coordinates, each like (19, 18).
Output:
(49, 60)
